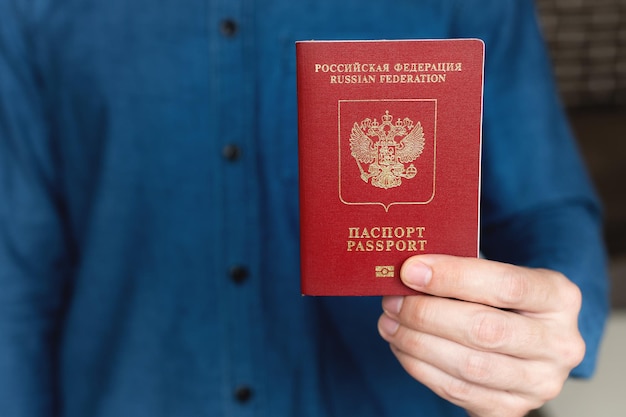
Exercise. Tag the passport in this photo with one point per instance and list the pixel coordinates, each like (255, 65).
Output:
(389, 149)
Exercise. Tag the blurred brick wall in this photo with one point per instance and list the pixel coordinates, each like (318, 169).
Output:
(587, 41)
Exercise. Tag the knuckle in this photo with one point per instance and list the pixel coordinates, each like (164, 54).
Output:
(574, 351)
(457, 391)
(517, 411)
(476, 368)
(551, 390)
(417, 312)
(514, 287)
(547, 389)
(547, 385)
(569, 293)
(414, 343)
(489, 331)
(520, 406)
(573, 295)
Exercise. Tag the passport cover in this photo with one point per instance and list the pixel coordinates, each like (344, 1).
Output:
(389, 158)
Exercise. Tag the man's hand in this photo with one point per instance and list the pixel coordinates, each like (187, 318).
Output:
(496, 339)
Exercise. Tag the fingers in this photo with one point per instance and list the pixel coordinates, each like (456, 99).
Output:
(473, 325)
(493, 338)
(477, 399)
(480, 367)
(491, 283)
(487, 369)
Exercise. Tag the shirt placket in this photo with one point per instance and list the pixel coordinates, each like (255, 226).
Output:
(233, 96)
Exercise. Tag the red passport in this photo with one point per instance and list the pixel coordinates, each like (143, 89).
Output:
(389, 158)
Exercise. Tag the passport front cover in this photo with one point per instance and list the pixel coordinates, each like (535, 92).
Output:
(389, 158)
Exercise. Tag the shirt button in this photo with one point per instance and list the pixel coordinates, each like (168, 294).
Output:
(243, 394)
(228, 27)
(231, 152)
(238, 274)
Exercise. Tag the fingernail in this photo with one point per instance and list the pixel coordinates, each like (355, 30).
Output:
(388, 325)
(417, 274)
(393, 304)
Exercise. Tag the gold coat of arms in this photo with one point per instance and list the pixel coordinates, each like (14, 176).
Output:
(386, 155)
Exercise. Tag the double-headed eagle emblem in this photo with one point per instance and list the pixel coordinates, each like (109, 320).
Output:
(386, 157)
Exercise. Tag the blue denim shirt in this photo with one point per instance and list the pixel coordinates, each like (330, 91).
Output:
(149, 211)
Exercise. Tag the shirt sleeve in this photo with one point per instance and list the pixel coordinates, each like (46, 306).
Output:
(33, 256)
(538, 205)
